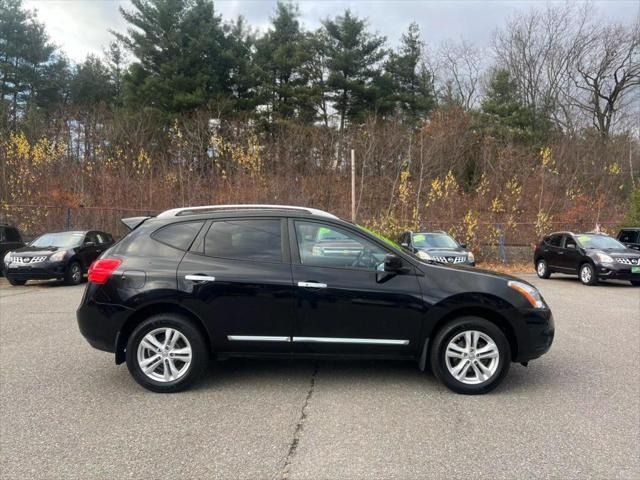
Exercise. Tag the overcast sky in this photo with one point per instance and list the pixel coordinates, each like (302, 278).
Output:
(81, 27)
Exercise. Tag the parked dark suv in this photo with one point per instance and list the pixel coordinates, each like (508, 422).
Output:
(591, 256)
(247, 281)
(630, 237)
(437, 246)
(10, 239)
(61, 255)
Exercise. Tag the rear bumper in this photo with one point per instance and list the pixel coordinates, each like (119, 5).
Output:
(100, 323)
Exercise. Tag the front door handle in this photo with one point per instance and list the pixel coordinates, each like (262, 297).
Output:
(312, 285)
(200, 278)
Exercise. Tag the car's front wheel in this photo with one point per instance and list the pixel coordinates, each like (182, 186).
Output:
(588, 274)
(73, 274)
(542, 269)
(15, 282)
(470, 355)
(635, 283)
(166, 353)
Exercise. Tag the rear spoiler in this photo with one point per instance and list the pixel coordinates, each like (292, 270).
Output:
(133, 222)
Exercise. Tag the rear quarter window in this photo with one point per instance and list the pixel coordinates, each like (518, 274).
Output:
(629, 236)
(178, 235)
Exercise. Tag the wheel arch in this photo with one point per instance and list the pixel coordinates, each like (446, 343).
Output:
(147, 311)
(481, 311)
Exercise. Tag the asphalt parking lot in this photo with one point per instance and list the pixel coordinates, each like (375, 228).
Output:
(66, 411)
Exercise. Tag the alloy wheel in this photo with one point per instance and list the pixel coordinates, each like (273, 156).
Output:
(542, 268)
(76, 273)
(164, 354)
(472, 357)
(586, 274)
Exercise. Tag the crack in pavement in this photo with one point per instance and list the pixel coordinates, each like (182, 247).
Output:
(293, 447)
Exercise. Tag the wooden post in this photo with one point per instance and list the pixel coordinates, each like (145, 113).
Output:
(353, 185)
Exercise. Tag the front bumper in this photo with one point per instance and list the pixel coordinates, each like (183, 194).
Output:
(618, 271)
(540, 331)
(35, 271)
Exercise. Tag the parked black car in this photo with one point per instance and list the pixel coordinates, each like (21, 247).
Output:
(10, 239)
(239, 281)
(437, 246)
(61, 255)
(591, 256)
(630, 237)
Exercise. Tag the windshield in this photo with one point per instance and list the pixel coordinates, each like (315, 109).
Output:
(433, 240)
(600, 242)
(63, 240)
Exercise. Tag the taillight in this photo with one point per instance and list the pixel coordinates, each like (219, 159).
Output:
(101, 270)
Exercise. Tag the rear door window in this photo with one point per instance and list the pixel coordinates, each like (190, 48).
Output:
(255, 239)
(555, 240)
(178, 235)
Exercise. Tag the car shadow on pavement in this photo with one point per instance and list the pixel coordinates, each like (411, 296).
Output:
(576, 280)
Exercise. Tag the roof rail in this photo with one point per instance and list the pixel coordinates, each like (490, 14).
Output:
(176, 212)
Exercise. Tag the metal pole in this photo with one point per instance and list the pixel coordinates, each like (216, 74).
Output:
(353, 185)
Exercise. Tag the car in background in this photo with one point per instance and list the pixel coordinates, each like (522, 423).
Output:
(630, 237)
(60, 255)
(591, 256)
(245, 281)
(437, 246)
(10, 239)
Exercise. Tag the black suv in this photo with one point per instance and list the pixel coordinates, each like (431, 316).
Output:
(437, 246)
(60, 255)
(630, 237)
(228, 281)
(10, 239)
(591, 256)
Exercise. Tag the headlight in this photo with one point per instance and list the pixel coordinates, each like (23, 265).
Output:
(604, 258)
(423, 255)
(471, 258)
(57, 257)
(531, 294)
(7, 257)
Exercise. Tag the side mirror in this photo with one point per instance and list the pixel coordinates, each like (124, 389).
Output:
(394, 264)
(463, 245)
(89, 244)
(571, 246)
(404, 244)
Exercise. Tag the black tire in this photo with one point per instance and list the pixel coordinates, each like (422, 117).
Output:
(196, 341)
(587, 274)
(456, 327)
(542, 269)
(635, 283)
(15, 282)
(73, 274)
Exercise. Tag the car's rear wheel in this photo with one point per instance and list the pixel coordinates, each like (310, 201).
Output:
(635, 283)
(470, 355)
(166, 353)
(542, 269)
(15, 282)
(73, 274)
(588, 274)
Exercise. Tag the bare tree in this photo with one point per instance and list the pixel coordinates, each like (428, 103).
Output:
(606, 73)
(459, 64)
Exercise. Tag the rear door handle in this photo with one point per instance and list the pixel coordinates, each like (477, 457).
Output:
(312, 285)
(200, 278)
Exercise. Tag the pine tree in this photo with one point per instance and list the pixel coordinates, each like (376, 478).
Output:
(353, 60)
(180, 50)
(413, 92)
